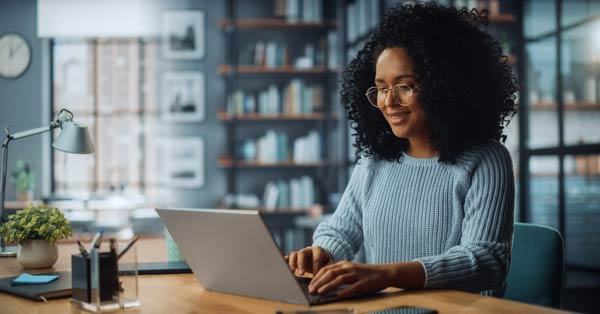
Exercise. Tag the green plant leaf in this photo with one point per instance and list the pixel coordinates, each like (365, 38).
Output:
(36, 222)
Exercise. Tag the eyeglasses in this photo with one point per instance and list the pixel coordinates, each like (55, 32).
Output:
(402, 94)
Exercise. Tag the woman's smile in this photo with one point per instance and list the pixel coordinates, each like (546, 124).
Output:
(398, 117)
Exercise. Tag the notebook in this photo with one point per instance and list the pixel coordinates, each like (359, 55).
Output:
(60, 288)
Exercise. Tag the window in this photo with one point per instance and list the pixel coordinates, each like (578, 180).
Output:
(109, 86)
(561, 142)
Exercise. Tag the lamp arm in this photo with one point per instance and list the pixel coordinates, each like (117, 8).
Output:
(19, 135)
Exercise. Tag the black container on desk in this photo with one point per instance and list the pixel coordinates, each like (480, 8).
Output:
(108, 277)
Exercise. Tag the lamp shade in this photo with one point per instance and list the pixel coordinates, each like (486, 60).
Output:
(74, 138)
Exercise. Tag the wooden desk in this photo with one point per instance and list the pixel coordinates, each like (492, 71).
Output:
(183, 294)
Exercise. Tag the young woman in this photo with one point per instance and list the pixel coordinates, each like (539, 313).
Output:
(431, 197)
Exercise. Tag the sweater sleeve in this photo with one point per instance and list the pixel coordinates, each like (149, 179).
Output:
(341, 235)
(480, 261)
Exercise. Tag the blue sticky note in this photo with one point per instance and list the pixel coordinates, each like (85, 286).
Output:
(27, 279)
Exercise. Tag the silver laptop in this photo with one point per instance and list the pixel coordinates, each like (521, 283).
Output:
(232, 251)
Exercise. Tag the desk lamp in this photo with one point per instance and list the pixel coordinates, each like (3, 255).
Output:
(73, 138)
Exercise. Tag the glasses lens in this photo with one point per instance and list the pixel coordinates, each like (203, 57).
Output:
(372, 96)
(403, 95)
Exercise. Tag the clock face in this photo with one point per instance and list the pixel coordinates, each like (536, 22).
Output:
(15, 55)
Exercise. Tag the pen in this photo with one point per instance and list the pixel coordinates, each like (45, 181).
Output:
(84, 253)
(128, 246)
(98, 239)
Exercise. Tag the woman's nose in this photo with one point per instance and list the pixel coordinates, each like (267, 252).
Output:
(389, 99)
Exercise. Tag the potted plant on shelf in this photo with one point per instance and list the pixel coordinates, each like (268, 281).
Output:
(24, 180)
(36, 229)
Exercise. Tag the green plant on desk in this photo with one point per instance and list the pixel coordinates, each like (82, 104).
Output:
(36, 222)
(24, 180)
(36, 229)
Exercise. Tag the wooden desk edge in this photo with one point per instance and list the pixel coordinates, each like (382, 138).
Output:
(183, 294)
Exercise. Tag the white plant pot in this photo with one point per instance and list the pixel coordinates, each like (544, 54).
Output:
(37, 254)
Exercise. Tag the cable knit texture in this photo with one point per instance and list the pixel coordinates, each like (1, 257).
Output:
(456, 220)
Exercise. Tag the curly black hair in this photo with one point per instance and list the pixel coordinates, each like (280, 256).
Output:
(467, 89)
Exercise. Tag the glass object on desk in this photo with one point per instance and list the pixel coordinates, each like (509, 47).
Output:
(173, 253)
(105, 294)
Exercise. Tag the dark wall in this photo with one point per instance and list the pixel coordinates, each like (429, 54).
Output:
(21, 98)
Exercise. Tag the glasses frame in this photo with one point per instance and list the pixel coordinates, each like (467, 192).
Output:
(386, 91)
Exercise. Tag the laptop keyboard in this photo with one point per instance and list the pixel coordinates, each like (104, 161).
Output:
(318, 299)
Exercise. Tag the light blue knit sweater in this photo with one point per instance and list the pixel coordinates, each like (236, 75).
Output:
(457, 220)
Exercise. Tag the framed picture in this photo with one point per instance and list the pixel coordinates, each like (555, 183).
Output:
(183, 162)
(183, 96)
(183, 34)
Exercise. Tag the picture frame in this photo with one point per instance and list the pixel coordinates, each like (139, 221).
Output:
(183, 97)
(182, 162)
(183, 34)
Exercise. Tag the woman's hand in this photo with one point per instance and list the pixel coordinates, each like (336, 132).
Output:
(310, 259)
(361, 278)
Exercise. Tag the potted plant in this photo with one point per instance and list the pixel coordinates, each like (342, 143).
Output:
(24, 180)
(36, 229)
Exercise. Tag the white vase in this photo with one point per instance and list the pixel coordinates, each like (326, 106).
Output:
(37, 254)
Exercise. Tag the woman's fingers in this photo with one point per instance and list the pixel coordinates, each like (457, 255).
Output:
(317, 259)
(325, 275)
(310, 259)
(292, 261)
(353, 289)
(304, 256)
(336, 282)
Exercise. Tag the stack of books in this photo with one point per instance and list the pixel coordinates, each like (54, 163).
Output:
(307, 11)
(364, 15)
(295, 98)
(273, 147)
(307, 148)
(270, 54)
(297, 194)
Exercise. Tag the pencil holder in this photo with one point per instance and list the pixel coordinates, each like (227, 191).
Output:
(104, 278)
(103, 282)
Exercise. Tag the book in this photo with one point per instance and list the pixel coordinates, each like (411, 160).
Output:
(60, 288)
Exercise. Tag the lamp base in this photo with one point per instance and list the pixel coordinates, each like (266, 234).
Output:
(8, 251)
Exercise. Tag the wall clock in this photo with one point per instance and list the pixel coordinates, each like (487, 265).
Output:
(15, 55)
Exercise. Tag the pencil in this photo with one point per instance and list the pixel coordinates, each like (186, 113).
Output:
(128, 246)
(84, 253)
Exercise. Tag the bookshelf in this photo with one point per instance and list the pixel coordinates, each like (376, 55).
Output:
(280, 76)
(316, 116)
(503, 18)
(578, 106)
(270, 23)
(260, 70)
(229, 162)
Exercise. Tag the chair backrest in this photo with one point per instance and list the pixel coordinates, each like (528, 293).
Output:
(537, 266)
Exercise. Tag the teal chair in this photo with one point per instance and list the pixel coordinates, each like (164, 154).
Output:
(537, 266)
